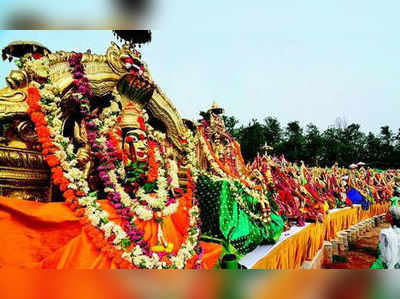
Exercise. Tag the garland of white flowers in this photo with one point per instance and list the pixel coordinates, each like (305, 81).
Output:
(157, 203)
(264, 218)
(98, 217)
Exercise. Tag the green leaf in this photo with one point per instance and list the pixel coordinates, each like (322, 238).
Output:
(125, 243)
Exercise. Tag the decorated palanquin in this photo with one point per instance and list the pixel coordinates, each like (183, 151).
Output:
(95, 133)
(228, 191)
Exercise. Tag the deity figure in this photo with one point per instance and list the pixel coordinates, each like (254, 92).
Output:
(134, 135)
(228, 191)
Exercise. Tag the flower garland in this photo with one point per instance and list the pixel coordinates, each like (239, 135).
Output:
(266, 218)
(80, 202)
(58, 151)
(157, 204)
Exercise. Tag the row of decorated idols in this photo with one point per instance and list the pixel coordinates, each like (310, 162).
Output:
(106, 131)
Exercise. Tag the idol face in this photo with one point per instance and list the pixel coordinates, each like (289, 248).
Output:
(135, 145)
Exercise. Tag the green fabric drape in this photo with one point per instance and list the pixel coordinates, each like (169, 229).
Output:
(235, 225)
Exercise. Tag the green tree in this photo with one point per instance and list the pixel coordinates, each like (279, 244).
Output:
(313, 148)
(252, 139)
(230, 123)
(273, 134)
(294, 141)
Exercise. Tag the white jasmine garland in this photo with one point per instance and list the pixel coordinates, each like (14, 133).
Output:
(157, 202)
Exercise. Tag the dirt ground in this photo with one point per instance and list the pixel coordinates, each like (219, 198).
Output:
(362, 254)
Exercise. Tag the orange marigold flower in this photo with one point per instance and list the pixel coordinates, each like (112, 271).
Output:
(33, 91)
(47, 145)
(38, 118)
(63, 186)
(80, 212)
(42, 132)
(80, 193)
(69, 194)
(52, 160)
(46, 140)
(68, 201)
(84, 221)
(48, 150)
(117, 260)
(74, 206)
(57, 171)
(124, 264)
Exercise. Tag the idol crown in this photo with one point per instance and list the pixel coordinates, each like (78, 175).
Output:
(131, 116)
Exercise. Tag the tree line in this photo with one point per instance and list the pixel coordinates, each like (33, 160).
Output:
(341, 143)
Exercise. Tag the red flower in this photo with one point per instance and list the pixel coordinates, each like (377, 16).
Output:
(129, 139)
(37, 56)
(129, 60)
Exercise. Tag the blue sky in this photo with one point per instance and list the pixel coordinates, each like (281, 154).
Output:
(310, 61)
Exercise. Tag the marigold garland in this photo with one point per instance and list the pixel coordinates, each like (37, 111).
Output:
(70, 196)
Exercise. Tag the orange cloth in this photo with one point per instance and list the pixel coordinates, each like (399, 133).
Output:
(37, 235)
(291, 253)
(340, 220)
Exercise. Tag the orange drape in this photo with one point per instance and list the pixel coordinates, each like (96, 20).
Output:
(292, 252)
(37, 235)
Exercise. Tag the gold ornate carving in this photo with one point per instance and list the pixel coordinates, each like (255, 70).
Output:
(163, 109)
(101, 76)
(17, 79)
(12, 102)
(24, 174)
(114, 54)
(20, 158)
